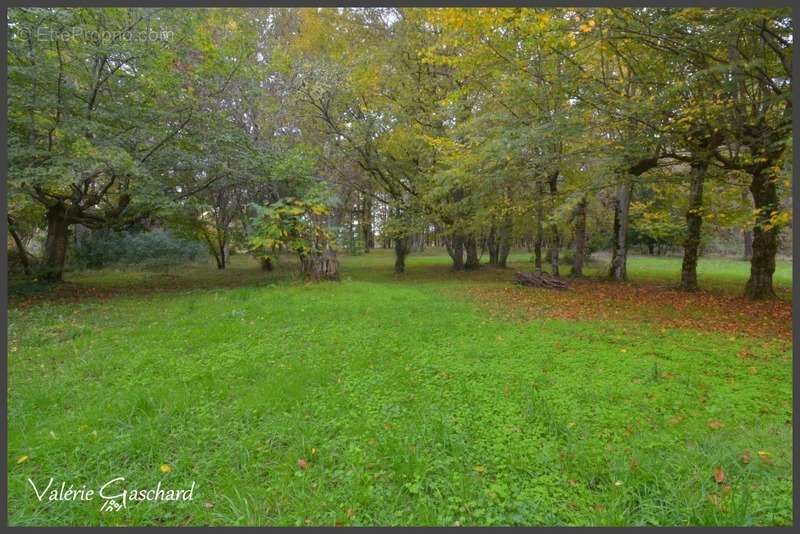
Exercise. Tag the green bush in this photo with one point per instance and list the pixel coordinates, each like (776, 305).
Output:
(102, 248)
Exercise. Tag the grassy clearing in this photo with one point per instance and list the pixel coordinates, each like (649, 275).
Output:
(410, 404)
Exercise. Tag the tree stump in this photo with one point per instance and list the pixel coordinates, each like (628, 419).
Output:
(323, 266)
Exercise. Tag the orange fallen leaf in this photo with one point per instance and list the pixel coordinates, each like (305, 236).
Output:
(719, 474)
(715, 425)
(302, 464)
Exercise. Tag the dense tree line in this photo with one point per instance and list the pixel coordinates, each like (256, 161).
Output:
(475, 129)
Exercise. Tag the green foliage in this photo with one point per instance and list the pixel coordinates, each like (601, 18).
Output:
(290, 224)
(107, 248)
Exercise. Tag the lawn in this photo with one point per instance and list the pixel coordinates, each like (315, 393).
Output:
(424, 399)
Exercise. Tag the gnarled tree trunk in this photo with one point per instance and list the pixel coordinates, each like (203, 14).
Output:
(455, 248)
(471, 246)
(23, 254)
(320, 266)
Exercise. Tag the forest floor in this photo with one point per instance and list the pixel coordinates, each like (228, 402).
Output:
(430, 398)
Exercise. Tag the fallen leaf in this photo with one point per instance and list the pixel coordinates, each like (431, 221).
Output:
(745, 457)
(22, 459)
(719, 474)
(302, 464)
(715, 425)
(479, 469)
(166, 468)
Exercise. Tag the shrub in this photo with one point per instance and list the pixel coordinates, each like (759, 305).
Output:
(158, 247)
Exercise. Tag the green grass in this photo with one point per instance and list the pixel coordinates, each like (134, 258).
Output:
(411, 405)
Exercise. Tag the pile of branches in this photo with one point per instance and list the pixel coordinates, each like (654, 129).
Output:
(544, 280)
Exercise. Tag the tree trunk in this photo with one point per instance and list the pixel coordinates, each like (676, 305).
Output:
(220, 256)
(765, 236)
(366, 224)
(55, 248)
(619, 248)
(504, 247)
(580, 238)
(320, 266)
(555, 242)
(401, 245)
(471, 246)
(23, 254)
(537, 240)
(554, 247)
(455, 249)
(493, 246)
(747, 234)
(694, 221)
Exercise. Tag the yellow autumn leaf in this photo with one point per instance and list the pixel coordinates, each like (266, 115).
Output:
(166, 468)
(22, 459)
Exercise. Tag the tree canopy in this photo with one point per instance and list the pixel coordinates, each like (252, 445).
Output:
(479, 129)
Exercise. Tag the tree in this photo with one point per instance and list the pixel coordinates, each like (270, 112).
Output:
(296, 225)
(90, 117)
